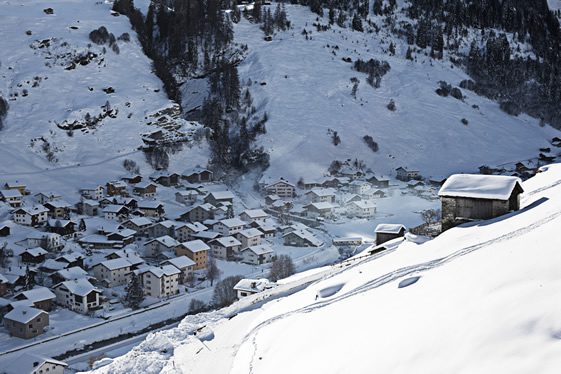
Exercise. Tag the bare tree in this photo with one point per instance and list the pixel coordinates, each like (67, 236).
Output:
(281, 268)
(224, 293)
(212, 272)
(430, 216)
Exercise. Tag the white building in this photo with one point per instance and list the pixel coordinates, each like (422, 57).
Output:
(29, 363)
(321, 195)
(362, 208)
(93, 193)
(154, 247)
(225, 248)
(250, 237)
(359, 187)
(228, 227)
(162, 281)
(254, 215)
(114, 272)
(256, 255)
(116, 212)
(11, 197)
(183, 264)
(78, 295)
(34, 216)
(246, 287)
(281, 188)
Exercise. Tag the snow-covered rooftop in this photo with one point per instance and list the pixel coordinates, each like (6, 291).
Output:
(38, 294)
(28, 363)
(180, 262)
(117, 263)
(80, 287)
(196, 246)
(23, 314)
(389, 228)
(253, 285)
(261, 249)
(227, 241)
(477, 186)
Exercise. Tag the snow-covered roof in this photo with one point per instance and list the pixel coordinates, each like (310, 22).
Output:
(143, 185)
(74, 272)
(7, 194)
(38, 209)
(180, 262)
(114, 208)
(255, 213)
(322, 192)
(195, 170)
(23, 314)
(196, 245)
(389, 228)
(160, 271)
(37, 251)
(27, 363)
(165, 240)
(80, 287)
(206, 235)
(478, 186)
(364, 204)
(282, 181)
(38, 294)
(324, 205)
(305, 235)
(233, 222)
(221, 195)
(140, 221)
(149, 204)
(125, 233)
(253, 285)
(51, 264)
(54, 222)
(168, 224)
(195, 226)
(58, 204)
(70, 257)
(250, 233)
(227, 241)
(90, 202)
(261, 249)
(117, 263)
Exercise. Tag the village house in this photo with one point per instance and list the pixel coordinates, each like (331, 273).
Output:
(468, 197)
(378, 183)
(70, 273)
(362, 209)
(41, 297)
(228, 227)
(34, 364)
(116, 212)
(128, 254)
(50, 266)
(301, 238)
(113, 272)
(320, 195)
(61, 227)
(11, 197)
(78, 295)
(315, 210)
(225, 248)
(247, 287)
(387, 231)
(47, 240)
(219, 198)
(145, 189)
(184, 232)
(117, 188)
(205, 236)
(376, 194)
(89, 207)
(184, 264)
(26, 322)
(196, 250)
(132, 179)
(126, 236)
(155, 247)
(186, 197)
(5, 231)
(406, 175)
(151, 208)
(282, 189)
(160, 281)
(271, 199)
(139, 224)
(166, 178)
(33, 255)
(198, 213)
(44, 197)
(254, 215)
(197, 175)
(249, 237)
(58, 209)
(21, 187)
(5, 286)
(163, 228)
(72, 259)
(268, 229)
(257, 255)
(92, 193)
(359, 187)
(33, 216)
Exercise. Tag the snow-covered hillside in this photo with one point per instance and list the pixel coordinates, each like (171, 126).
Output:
(308, 91)
(486, 301)
(52, 73)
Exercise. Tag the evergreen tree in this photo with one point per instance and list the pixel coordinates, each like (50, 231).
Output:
(29, 280)
(135, 293)
(357, 23)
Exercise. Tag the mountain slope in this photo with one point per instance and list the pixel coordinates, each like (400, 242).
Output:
(485, 301)
(308, 91)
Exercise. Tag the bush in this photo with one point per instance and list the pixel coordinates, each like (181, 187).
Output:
(391, 105)
(125, 37)
(456, 93)
(444, 89)
(281, 268)
(371, 143)
(197, 306)
(465, 121)
(100, 36)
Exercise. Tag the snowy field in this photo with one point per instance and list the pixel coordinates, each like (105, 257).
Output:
(484, 301)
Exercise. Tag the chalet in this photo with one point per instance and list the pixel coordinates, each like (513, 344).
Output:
(196, 250)
(58, 209)
(126, 236)
(132, 179)
(61, 227)
(116, 188)
(162, 281)
(34, 364)
(49, 241)
(220, 197)
(116, 212)
(34, 216)
(362, 209)
(330, 182)
(315, 210)
(45, 197)
(165, 178)
(467, 197)
(140, 225)
(51, 266)
(414, 184)
(184, 264)
(229, 226)
(72, 259)
(71, 273)
(254, 215)
(301, 238)
(41, 297)
(271, 199)
(321, 195)
(350, 171)
(113, 272)
(197, 175)
(151, 208)
(184, 231)
(78, 295)
(145, 189)
(359, 187)
(33, 255)
(437, 181)
(347, 242)
(268, 230)
(89, 207)
(225, 248)
(4, 231)
(26, 322)
(154, 247)
(281, 188)
(163, 228)
(128, 254)
(96, 241)
(378, 183)
(247, 287)
(198, 213)
(11, 197)
(205, 236)
(92, 193)
(21, 187)
(186, 197)
(406, 175)
(129, 202)
(378, 194)
(257, 255)
(387, 231)
(250, 237)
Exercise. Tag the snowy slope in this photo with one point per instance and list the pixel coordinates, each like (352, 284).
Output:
(486, 302)
(56, 95)
(308, 91)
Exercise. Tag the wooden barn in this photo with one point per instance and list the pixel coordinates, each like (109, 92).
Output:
(468, 197)
(388, 231)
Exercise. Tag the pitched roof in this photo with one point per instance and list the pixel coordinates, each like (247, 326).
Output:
(227, 241)
(23, 314)
(80, 287)
(10, 193)
(305, 235)
(324, 205)
(117, 263)
(180, 262)
(74, 272)
(160, 271)
(38, 294)
(364, 204)
(114, 208)
(37, 251)
(389, 228)
(253, 285)
(26, 363)
(221, 195)
(165, 240)
(478, 186)
(259, 249)
(196, 246)
(140, 221)
(255, 213)
(149, 204)
(322, 192)
(250, 233)
(233, 222)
